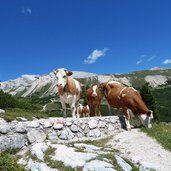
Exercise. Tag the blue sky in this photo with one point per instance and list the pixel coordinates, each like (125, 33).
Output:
(98, 36)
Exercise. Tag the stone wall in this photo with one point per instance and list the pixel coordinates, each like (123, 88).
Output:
(18, 134)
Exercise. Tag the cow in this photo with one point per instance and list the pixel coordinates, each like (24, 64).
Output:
(69, 90)
(127, 98)
(83, 111)
(94, 98)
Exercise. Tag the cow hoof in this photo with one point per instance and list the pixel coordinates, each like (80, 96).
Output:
(128, 129)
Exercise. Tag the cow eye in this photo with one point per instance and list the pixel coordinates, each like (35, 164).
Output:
(64, 76)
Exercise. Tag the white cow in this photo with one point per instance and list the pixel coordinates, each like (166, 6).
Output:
(69, 90)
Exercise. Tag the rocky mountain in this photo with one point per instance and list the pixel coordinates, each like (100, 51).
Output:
(27, 85)
(45, 85)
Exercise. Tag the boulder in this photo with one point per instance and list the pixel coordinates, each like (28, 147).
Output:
(5, 128)
(92, 124)
(38, 150)
(20, 128)
(58, 126)
(94, 133)
(36, 136)
(12, 141)
(98, 165)
(52, 135)
(125, 166)
(66, 134)
(33, 124)
(47, 124)
(74, 128)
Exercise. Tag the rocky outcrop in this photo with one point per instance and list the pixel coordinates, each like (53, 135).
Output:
(18, 134)
(2, 111)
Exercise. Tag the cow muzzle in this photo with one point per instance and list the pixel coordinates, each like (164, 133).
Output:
(59, 85)
(94, 95)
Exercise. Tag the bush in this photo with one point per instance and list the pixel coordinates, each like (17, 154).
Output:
(9, 163)
(6, 100)
(149, 99)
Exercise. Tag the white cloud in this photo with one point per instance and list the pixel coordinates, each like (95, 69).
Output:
(141, 59)
(26, 10)
(155, 68)
(167, 61)
(92, 58)
(151, 58)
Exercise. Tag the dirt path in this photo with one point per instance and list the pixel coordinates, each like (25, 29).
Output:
(143, 150)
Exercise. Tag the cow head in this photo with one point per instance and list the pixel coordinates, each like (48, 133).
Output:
(62, 77)
(147, 119)
(95, 90)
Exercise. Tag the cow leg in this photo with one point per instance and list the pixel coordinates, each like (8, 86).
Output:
(73, 111)
(127, 119)
(99, 112)
(63, 108)
(73, 107)
(78, 114)
(109, 108)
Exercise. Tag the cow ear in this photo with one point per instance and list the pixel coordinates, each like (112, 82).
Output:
(69, 73)
(100, 86)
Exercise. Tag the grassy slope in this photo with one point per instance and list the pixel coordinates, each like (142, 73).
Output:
(162, 133)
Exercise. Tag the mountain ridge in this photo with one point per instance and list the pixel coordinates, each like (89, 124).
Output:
(27, 85)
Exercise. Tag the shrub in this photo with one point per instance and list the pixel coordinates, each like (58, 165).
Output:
(149, 99)
(9, 163)
(6, 100)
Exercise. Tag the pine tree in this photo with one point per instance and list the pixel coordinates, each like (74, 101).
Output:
(149, 99)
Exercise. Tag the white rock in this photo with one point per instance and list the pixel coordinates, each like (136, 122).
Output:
(113, 119)
(38, 150)
(58, 126)
(89, 148)
(5, 128)
(125, 166)
(2, 111)
(74, 128)
(110, 127)
(22, 161)
(66, 134)
(33, 124)
(12, 141)
(92, 124)
(147, 166)
(36, 136)
(68, 123)
(94, 133)
(82, 126)
(136, 159)
(156, 80)
(47, 124)
(21, 118)
(2, 121)
(35, 166)
(20, 128)
(52, 135)
(69, 157)
(98, 165)
(101, 124)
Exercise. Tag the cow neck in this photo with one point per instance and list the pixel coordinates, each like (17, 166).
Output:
(70, 87)
(121, 91)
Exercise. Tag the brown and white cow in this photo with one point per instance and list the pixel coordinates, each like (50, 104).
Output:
(94, 98)
(83, 111)
(119, 95)
(69, 90)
